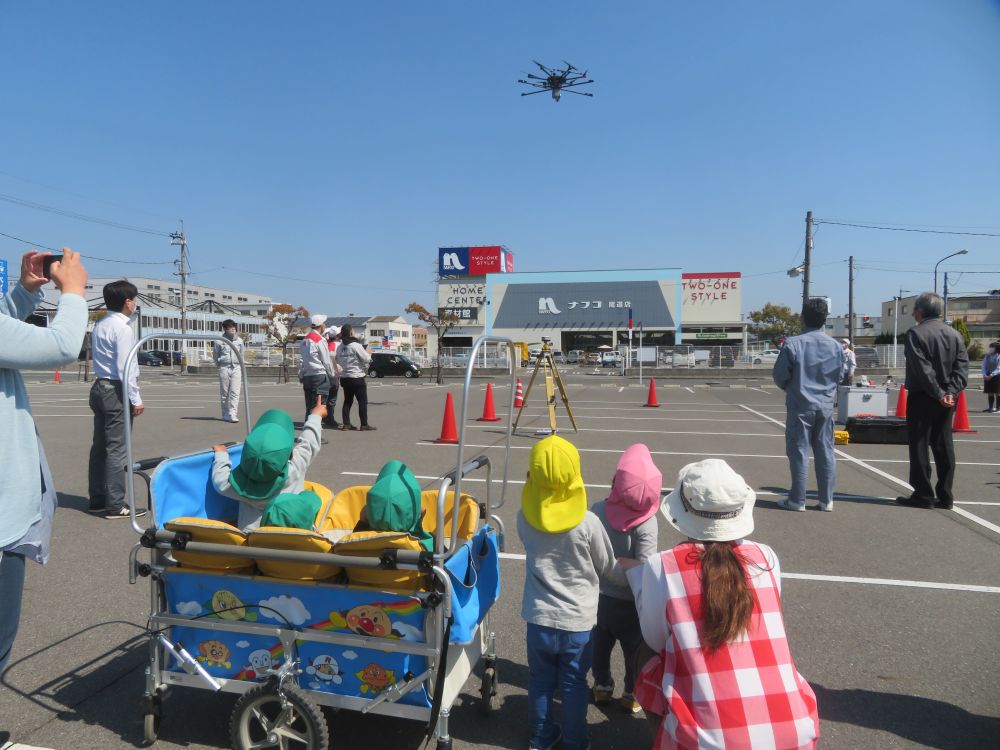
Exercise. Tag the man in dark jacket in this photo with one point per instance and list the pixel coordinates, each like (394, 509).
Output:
(937, 370)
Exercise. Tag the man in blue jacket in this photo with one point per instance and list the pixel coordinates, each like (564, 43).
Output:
(808, 370)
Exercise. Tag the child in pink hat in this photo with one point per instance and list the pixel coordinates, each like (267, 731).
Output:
(629, 516)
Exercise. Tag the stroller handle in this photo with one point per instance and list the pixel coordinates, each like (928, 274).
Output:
(130, 362)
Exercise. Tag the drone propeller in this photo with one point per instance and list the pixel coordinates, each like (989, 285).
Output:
(531, 75)
(576, 83)
(546, 70)
(569, 66)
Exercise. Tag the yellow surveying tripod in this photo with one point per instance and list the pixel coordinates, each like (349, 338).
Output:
(553, 379)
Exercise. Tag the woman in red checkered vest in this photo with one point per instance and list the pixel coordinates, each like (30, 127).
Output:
(710, 610)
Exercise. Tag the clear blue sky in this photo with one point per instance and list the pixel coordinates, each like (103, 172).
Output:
(345, 142)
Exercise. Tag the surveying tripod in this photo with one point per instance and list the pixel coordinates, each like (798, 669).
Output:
(553, 379)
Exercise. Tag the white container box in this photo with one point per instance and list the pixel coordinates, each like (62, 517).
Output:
(852, 401)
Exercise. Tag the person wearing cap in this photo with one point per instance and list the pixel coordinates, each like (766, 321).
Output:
(230, 371)
(393, 504)
(293, 510)
(273, 462)
(315, 368)
(850, 362)
(808, 370)
(333, 340)
(567, 553)
(629, 518)
(722, 675)
(353, 361)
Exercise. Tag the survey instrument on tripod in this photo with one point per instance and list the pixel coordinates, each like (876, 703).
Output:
(553, 380)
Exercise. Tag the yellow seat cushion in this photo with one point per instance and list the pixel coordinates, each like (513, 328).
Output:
(468, 514)
(371, 544)
(296, 540)
(344, 511)
(209, 531)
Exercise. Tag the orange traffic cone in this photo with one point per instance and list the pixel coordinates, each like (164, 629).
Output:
(962, 415)
(651, 399)
(57, 377)
(449, 434)
(901, 402)
(489, 414)
(518, 395)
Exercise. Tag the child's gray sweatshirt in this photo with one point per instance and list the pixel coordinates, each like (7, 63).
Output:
(636, 544)
(562, 573)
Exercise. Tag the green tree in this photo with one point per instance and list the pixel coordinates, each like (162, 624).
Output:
(280, 321)
(960, 326)
(775, 321)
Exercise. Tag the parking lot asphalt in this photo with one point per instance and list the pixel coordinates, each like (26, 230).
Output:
(892, 613)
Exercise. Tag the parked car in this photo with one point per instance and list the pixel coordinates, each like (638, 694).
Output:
(594, 358)
(575, 356)
(558, 358)
(611, 358)
(167, 357)
(722, 356)
(867, 356)
(148, 358)
(768, 356)
(389, 363)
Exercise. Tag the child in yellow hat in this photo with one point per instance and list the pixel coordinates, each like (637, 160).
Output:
(568, 552)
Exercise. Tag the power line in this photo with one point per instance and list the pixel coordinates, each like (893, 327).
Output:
(81, 217)
(84, 196)
(905, 229)
(90, 257)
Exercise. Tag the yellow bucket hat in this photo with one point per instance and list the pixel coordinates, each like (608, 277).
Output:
(554, 499)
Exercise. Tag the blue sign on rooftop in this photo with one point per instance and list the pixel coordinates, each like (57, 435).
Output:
(3, 276)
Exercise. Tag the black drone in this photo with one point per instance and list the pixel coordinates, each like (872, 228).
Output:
(556, 80)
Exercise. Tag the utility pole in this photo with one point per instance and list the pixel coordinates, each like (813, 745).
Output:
(944, 314)
(808, 260)
(895, 331)
(178, 238)
(850, 300)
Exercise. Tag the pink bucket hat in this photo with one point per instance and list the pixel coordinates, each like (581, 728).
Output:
(635, 491)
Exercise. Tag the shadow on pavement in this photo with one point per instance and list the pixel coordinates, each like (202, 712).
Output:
(74, 502)
(68, 695)
(838, 497)
(925, 721)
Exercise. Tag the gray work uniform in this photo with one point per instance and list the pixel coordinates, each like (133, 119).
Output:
(808, 370)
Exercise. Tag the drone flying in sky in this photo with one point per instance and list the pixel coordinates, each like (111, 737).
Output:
(556, 80)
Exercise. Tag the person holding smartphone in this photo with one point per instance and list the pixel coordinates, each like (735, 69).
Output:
(27, 495)
(112, 401)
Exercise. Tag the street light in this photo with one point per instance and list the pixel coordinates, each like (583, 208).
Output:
(960, 252)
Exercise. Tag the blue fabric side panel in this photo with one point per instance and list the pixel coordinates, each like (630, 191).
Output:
(475, 580)
(183, 487)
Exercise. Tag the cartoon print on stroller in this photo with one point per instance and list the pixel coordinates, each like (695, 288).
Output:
(295, 619)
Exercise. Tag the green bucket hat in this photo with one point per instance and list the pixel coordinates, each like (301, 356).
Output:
(292, 510)
(263, 468)
(393, 503)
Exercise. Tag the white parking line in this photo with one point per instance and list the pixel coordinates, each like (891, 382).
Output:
(865, 465)
(689, 389)
(851, 579)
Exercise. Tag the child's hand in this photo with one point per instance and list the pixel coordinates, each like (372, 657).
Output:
(628, 563)
(219, 448)
(320, 409)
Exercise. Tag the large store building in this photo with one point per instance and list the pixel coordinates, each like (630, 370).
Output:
(584, 309)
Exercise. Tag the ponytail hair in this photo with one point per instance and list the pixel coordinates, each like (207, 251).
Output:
(726, 597)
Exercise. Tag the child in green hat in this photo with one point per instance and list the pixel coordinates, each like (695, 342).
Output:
(273, 463)
(393, 504)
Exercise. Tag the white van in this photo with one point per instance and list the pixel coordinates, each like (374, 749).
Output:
(575, 356)
(612, 358)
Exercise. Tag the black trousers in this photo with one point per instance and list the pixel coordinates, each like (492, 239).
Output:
(929, 425)
(315, 386)
(354, 388)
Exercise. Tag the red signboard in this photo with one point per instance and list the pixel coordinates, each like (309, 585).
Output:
(484, 260)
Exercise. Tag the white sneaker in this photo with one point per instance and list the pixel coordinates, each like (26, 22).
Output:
(788, 505)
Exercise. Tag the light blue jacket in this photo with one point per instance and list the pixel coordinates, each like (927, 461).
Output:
(991, 365)
(808, 370)
(22, 346)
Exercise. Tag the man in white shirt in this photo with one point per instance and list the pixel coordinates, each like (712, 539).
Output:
(315, 370)
(111, 342)
(230, 372)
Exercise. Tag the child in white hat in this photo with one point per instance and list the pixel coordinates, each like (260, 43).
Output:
(710, 609)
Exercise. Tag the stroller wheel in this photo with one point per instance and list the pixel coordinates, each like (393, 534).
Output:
(150, 728)
(290, 721)
(489, 700)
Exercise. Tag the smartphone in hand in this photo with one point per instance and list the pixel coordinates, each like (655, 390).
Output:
(47, 262)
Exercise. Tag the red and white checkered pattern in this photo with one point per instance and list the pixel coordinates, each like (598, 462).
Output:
(747, 695)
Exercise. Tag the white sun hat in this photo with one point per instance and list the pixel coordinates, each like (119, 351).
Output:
(711, 502)
(317, 320)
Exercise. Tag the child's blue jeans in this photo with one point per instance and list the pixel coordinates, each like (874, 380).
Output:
(558, 659)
